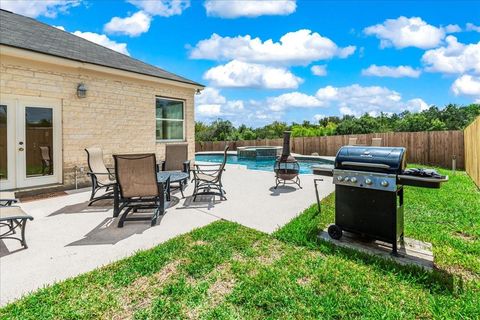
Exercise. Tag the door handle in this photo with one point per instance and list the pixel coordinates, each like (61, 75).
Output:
(20, 149)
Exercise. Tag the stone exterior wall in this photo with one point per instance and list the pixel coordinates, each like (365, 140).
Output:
(118, 113)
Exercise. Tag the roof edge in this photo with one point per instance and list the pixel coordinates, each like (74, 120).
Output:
(44, 57)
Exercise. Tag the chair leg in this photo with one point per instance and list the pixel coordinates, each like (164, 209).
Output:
(116, 200)
(24, 224)
(123, 217)
(154, 217)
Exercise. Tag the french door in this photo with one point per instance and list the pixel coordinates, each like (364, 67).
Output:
(30, 142)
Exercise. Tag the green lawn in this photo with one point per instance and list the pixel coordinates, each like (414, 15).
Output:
(226, 271)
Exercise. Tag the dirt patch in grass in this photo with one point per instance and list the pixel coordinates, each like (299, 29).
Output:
(139, 294)
(304, 281)
(465, 236)
(199, 243)
(216, 293)
(463, 273)
(273, 253)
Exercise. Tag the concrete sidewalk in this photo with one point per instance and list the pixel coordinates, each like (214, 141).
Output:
(68, 238)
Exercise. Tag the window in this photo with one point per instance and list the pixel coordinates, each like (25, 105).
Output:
(170, 119)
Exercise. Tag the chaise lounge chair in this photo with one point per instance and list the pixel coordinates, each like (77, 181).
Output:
(138, 187)
(47, 167)
(102, 177)
(208, 178)
(7, 198)
(12, 217)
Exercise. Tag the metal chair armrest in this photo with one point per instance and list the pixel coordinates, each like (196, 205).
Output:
(186, 167)
(208, 165)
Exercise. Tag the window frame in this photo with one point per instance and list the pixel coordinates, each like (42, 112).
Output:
(183, 101)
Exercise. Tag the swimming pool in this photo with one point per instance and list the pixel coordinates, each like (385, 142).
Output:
(259, 164)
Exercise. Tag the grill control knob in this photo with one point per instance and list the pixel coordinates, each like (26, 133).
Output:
(340, 178)
(347, 179)
(368, 181)
(384, 183)
(353, 180)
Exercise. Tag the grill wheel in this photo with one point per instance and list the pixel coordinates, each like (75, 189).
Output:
(335, 232)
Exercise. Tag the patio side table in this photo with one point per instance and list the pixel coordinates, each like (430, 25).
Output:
(179, 177)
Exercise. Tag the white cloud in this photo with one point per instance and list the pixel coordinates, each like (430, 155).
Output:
(472, 27)
(241, 74)
(47, 8)
(163, 8)
(357, 100)
(209, 110)
(392, 72)
(212, 104)
(319, 70)
(467, 85)
(294, 48)
(293, 100)
(60, 27)
(210, 95)
(452, 28)
(249, 8)
(409, 32)
(456, 57)
(139, 22)
(318, 117)
(134, 25)
(103, 40)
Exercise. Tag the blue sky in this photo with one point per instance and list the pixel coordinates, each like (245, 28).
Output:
(256, 59)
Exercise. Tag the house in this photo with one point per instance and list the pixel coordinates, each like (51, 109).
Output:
(60, 93)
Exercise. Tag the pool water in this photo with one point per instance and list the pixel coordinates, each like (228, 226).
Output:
(258, 164)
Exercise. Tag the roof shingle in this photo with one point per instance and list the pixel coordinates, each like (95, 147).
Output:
(29, 34)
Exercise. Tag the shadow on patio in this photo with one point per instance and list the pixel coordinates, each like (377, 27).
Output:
(83, 207)
(107, 232)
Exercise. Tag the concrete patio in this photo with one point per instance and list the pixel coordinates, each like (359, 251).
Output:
(68, 238)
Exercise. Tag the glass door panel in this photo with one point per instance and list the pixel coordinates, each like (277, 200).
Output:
(38, 142)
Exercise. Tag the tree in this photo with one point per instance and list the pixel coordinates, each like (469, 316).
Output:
(452, 117)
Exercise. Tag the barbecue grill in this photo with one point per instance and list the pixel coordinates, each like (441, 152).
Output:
(369, 192)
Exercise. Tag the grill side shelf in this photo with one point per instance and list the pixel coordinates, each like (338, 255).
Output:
(423, 182)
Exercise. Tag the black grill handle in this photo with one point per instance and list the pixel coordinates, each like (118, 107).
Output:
(366, 165)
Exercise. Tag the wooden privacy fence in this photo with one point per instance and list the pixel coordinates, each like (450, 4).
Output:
(472, 150)
(428, 147)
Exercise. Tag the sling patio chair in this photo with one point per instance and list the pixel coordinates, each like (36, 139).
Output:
(176, 159)
(102, 177)
(138, 188)
(47, 165)
(207, 178)
(14, 217)
(7, 198)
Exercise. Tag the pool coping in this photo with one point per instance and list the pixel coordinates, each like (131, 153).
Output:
(328, 159)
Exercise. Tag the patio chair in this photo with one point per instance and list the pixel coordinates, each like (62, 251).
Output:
(207, 178)
(7, 198)
(47, 167)
(14, 217)
(102, 177)
(352, 141)
(377, 142)
(138, 187)
(176, 159)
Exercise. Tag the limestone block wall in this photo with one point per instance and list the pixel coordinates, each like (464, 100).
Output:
(118, 113)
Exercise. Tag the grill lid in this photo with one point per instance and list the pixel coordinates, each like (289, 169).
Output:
(375, 159)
